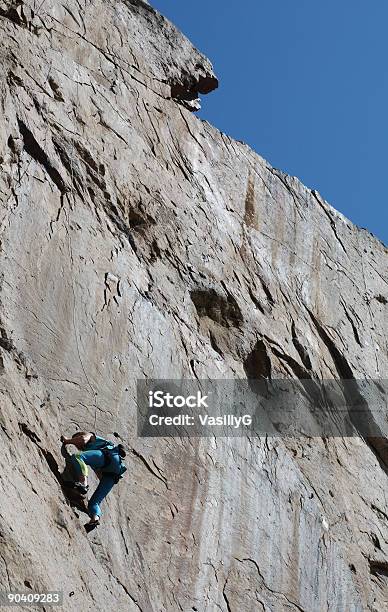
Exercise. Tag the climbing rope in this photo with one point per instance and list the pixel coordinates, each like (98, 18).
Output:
(88, 198)
(71, 256)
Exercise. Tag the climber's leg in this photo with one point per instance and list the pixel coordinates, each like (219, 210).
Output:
(93, 458)
(106, 484)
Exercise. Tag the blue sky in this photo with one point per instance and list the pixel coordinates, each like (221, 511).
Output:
(305, 84)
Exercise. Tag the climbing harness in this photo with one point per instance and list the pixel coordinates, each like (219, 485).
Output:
(108, 453)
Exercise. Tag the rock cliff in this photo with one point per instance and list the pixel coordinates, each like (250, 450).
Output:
(138, 241)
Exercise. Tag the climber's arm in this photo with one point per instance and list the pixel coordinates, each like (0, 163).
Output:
(79, 440)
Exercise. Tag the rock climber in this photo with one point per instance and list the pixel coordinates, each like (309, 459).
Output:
(105, 458)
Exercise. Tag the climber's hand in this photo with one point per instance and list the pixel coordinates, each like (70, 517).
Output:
(63, 439)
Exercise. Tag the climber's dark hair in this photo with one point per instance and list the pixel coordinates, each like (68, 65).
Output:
(122, 452)
(78, 433)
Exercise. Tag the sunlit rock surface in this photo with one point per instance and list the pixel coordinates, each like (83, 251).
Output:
(138, 241)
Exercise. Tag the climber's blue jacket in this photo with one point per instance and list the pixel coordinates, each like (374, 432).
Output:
(98, 444)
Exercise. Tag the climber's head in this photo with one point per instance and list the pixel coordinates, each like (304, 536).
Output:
(81, 438)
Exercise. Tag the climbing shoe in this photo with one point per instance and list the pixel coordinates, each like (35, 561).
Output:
(83, 489)
(92, 525)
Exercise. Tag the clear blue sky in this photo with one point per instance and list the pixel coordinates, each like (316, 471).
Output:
(305, 84)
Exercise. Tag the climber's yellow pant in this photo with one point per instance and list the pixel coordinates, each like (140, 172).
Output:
(81, 464)
(93, 458)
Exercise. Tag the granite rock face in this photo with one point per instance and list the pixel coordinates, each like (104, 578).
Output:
(138, 241)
